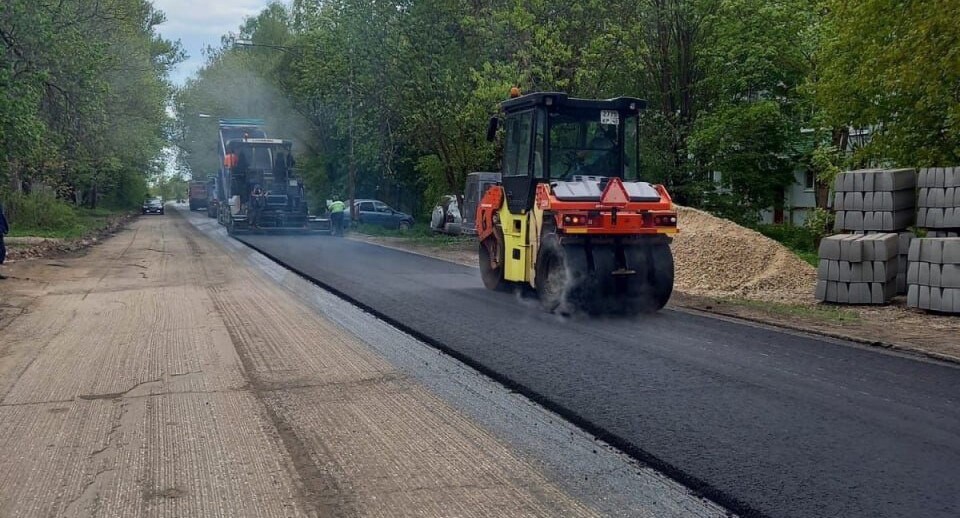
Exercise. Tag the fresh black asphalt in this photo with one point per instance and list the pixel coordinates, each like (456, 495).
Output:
(765, 422)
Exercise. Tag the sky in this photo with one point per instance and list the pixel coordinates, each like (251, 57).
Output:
(198, 23)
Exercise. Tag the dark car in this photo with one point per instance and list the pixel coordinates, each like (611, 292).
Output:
(375, 212)
(154, 206)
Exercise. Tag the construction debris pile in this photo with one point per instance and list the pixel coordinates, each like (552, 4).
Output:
(715, 257)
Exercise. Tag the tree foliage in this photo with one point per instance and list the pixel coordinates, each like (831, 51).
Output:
(894, 67)
(390, 99)
(83, 92)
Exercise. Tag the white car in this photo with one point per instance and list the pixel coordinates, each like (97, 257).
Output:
(446, 216)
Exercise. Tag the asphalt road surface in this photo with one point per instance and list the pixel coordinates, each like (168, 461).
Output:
(765, 422)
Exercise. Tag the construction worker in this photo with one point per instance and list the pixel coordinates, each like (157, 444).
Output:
(4, 228)
(336, 208)
(600, 159)
(256, 204)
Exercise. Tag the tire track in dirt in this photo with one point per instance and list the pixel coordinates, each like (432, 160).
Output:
(319, 491)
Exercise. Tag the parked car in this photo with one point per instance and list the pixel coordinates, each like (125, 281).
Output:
(375, 212)
(154, 206)
(446, 216)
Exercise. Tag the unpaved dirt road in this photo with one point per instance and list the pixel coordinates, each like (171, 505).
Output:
(159, 376)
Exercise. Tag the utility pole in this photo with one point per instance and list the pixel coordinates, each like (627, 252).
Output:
(352, 173)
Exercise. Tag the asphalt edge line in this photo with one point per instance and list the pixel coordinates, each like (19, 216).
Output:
(696, 486)
(904, 349)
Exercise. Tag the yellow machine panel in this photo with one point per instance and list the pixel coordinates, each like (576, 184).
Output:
(516, 253)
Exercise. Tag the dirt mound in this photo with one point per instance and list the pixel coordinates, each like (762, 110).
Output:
(716, 257)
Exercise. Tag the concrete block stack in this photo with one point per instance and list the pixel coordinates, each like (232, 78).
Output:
(858, 268)
(903, 249)
(933, 276)
(938, 200)
(875, 200)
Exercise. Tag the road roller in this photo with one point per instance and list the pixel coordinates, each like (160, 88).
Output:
(572, 218)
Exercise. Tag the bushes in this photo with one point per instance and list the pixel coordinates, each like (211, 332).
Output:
(41, 214)
(39, 211)
(801, 240)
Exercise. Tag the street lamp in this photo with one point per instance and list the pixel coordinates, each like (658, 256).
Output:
(245, 43)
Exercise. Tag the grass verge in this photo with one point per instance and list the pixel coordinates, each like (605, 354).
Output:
(820, 313)
(43, 215)
(84, 222)
(419, 234)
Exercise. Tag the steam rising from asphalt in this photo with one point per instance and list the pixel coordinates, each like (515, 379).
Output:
(229, 89)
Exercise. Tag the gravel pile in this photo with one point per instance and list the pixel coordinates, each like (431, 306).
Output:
(716, 257)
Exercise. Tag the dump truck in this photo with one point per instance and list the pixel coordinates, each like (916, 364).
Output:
(571, 217)
(257, 187)
(197, 195)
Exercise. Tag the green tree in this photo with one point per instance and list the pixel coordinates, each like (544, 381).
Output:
(752, 107)
(83, 96)
(894, 67)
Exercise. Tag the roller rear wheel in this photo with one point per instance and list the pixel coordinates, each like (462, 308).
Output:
(649, 289)
(661, 278)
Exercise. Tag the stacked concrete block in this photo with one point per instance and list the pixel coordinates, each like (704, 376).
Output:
(938, 199)
(933, 275)
(858, 269)
(903, 250)
(875, 200)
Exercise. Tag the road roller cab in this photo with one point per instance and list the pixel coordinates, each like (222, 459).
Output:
(571, 217)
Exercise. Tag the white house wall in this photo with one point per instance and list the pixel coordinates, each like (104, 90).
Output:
(798, 201)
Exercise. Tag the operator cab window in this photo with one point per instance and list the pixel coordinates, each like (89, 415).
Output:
(516, 153)
(538, 145)
(381, 207)
(366, 206)
(254, 157)
(580, 144)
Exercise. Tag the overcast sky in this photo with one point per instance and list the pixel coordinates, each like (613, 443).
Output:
(198, 23)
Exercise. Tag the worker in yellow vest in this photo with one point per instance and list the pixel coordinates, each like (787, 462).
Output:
(336, 208)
